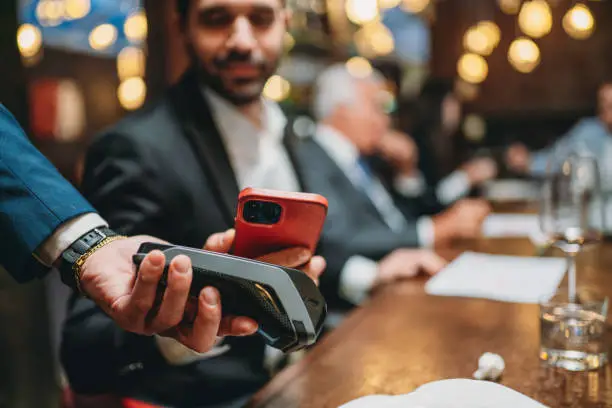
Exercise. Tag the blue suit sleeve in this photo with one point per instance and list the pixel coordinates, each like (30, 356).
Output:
(34, 200)
(539, 159)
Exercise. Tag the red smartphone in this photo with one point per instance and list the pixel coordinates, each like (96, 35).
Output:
(269, 220)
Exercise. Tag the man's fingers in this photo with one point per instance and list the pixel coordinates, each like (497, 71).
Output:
(399, 269)
(404, 270)
(138, 304)
(206, 325)
(220, 242)
(237, 326)
(173, 304)
(432, 263)
(315, 268)
(289, 258)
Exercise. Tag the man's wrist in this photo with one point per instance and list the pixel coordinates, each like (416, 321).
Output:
(440, 229)
(357, 278)
(410, 186)
(71, 261)
(426, 232)
(77, 268)
(52, 248)
(453, 187)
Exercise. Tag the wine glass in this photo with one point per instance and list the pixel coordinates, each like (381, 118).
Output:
(572, 210)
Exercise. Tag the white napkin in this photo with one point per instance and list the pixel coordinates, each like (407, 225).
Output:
(511, 190)
(510, 225)
(499, 225)
(454, 393)
(499, 277)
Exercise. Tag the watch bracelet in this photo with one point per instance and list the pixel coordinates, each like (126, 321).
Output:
(76, 267)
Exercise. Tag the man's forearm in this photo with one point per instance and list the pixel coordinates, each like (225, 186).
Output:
(34, 200)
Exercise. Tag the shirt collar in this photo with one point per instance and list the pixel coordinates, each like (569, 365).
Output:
(337, 146)
(234, 125)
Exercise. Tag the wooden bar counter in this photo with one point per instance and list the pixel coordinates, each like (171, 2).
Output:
(402, 338)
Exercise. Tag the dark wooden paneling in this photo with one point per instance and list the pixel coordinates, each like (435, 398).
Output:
(566, 79)
(157, 44)
(12, 75)
(97, 79)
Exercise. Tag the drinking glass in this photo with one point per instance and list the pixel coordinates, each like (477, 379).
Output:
(573, 333)
(571, 209)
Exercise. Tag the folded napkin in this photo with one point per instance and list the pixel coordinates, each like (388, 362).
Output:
(454, 393)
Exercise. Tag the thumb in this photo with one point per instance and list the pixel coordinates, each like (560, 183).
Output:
(289, 258)
(221, 241)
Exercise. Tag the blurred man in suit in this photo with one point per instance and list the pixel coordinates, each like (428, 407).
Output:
(593, 134)
(402, 158)
(351, 123)
(175, 169)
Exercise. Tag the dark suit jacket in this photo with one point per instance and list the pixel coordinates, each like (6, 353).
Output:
(164, 171)
(353, 221)
(426, 204)
(34, 200)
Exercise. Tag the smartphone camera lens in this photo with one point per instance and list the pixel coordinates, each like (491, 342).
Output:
(261, 212)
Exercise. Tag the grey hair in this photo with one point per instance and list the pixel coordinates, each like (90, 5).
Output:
(336, 86)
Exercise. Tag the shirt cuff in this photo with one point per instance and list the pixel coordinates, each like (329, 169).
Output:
(51, 249)
(453, 187)
(410, 186)
(356, 278)
(176, 353)
(425, 232)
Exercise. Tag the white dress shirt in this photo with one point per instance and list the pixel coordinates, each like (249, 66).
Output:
(257, 155)
(67, 233)
(450, 189)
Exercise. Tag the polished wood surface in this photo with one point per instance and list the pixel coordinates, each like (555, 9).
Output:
(403, 338)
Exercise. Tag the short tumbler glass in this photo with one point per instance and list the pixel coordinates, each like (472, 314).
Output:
(574, 336)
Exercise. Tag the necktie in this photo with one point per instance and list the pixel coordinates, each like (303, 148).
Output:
(369, 184)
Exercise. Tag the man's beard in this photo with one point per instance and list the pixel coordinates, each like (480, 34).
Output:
(250, 89)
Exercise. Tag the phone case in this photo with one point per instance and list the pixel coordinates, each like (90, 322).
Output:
(300, 224)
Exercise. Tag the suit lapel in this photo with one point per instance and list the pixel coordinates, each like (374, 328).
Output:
(326, 167)
(200, 129)
(290, 141)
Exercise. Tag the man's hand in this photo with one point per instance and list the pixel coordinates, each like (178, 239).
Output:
(131, 300)
(463, 220)
(480, 170)
(399, 150)
(299, 258)
(408, 263)
(239, 325)
(518, 158)
(108, 278)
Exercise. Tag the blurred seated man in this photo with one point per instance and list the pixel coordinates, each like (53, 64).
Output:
(175, 169)
(401, 152)
(593, 134)
(363, 214)
(436, 129)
